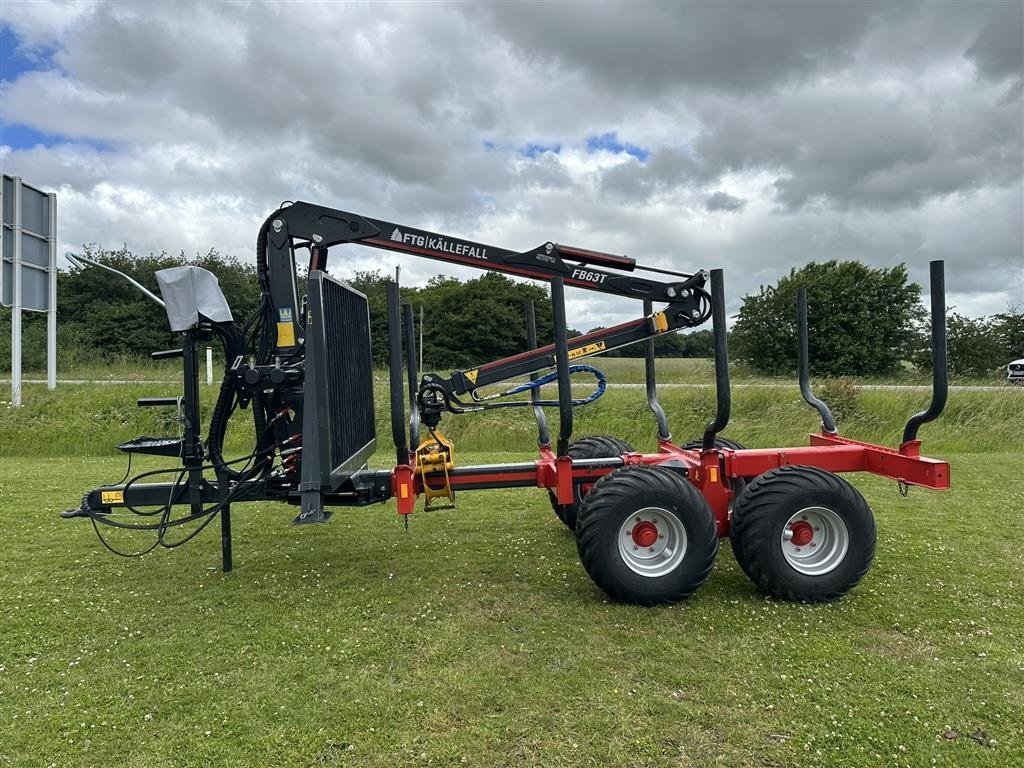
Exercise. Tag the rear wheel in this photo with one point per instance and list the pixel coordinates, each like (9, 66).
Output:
(646, 535)
(597, 447)
(803, 534)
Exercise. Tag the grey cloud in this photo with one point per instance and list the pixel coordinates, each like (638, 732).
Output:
(865, 125)
(667, 167)
(861, 145)
(998, 50)
(197, 71)
(649, 47)
(723, 201)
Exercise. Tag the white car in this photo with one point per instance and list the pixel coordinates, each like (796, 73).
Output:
(1015, 372)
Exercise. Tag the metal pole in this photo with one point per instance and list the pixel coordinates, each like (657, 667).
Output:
(652, 383)
(410, 367)
(543, 435)
(395, 374)
(225, 539)
(16, 297)
(51, 310)
(940, 364)
(828, 422)
(723, 396)
(421, 337)
(562, 366)
(209, 365)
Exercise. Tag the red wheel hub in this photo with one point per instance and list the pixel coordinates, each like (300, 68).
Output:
(645, 534)
(802, 533)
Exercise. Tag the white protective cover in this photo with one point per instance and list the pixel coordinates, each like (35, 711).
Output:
(190, 292)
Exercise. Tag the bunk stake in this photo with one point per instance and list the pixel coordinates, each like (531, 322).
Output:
(722, 393)
(410, 365)
(652, 385)
(562, 366)
(395, 375)
(828, 423)
(543, 435)
(940, 374)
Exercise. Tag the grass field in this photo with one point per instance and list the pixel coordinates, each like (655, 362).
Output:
(476, 638)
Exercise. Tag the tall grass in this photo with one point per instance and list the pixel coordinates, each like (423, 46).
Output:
(89, 420)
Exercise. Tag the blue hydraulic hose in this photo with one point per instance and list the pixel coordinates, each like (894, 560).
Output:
(602, 383)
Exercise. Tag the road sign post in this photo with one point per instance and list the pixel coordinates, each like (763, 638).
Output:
(28, 269)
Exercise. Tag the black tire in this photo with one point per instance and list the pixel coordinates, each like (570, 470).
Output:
(668, 504)
(597, 447)
(736, 484)
(792, 569)
(720, 442)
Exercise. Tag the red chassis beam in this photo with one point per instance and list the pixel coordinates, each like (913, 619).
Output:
(708, 471)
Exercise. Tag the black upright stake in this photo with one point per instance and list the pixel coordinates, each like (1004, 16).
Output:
(395, 375)
(828, 423)
(410, 368)
(652, 384)
(543, 435)
(940, 373)
(562, 366)
(722, 393)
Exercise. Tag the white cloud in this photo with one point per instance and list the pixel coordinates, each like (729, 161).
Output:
(842, 135)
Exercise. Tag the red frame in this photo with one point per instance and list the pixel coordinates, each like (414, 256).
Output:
(705, 469)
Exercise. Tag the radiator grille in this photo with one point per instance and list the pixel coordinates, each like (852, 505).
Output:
(348, 372)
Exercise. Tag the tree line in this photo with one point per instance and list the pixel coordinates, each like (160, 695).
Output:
(863, 320)
(866, 321)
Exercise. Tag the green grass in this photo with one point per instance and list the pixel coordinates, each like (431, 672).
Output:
(476, 638)
(91, 419)
(78, 364)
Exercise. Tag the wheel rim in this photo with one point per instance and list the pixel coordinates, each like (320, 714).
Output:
(815, 541)
(652, 542)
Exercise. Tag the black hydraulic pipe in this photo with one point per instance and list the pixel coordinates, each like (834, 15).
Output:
(940, 372)
(395, 375)
(562, 366)
(543, 435)
(652, 384)
(828, 423)
(722, 394)
(410, 367)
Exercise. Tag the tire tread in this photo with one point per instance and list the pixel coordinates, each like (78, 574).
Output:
(752, 536)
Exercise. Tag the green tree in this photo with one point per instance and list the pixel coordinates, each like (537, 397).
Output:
(1008, 328)
(978, 347)
(107, 315)
(861, 320)
(678, 344)
(465, 323)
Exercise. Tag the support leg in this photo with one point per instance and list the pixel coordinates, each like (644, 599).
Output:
(225, 538)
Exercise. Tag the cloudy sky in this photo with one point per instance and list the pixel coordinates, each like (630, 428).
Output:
(752, 137)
